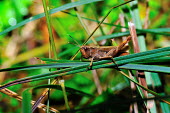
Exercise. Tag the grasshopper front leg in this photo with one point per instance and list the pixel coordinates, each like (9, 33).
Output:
(91, 62)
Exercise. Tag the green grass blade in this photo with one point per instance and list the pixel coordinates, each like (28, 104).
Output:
(157, 60)
(52, 65)
(52, 11)
(165, 107)
(150, 68)
(96, 65)
(26, 101)
(59, 61)
(51, 38)
(134, 57)
(160, 31)
(72, 64)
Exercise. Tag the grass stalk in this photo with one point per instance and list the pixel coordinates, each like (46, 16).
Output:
(65, 95)
(142, 44)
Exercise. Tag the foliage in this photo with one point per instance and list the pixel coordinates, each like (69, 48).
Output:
(30, 59)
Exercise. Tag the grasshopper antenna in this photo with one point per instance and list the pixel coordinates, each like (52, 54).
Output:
(75, 41)
(100, 24)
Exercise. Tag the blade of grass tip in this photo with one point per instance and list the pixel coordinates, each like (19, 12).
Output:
(100, 24)
(61, 83)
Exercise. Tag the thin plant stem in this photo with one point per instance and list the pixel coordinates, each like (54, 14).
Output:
(61, 82)
(148, 90)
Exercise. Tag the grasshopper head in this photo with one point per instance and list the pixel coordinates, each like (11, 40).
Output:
(85, 51)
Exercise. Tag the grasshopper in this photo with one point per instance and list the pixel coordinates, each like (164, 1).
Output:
(104, 52)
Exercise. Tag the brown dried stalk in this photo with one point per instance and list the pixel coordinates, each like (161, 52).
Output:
(141, 75)
(18, 97)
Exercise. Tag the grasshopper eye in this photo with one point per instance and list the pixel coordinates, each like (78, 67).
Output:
(84, 47)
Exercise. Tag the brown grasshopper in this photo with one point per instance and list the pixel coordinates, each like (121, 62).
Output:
(105, 52)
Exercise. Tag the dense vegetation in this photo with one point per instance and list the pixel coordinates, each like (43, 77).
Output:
(39, 55)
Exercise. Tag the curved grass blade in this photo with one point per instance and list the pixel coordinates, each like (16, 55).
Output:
(60, 65)
(40, 66)
(52, 11)
(159, 31)
(73, 64)
(157, 60)
(150, 68)
(96, 65)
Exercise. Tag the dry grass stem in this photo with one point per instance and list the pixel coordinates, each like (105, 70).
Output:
(97, 82)
(141, 76)
(18, 97)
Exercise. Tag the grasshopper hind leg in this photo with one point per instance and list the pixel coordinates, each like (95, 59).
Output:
(110, 57)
